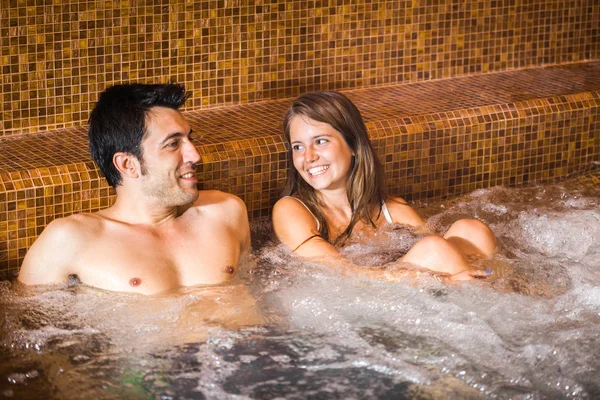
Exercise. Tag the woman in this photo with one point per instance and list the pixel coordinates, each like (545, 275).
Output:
(335, 189)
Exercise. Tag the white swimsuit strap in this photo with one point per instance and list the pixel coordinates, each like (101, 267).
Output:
(311, 213)
(386, 213)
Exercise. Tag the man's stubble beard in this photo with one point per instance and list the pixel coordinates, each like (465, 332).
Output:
(163, 191)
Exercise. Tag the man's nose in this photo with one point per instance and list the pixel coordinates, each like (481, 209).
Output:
(191, 154)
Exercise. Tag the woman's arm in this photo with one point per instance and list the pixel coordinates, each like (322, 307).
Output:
(296, 227)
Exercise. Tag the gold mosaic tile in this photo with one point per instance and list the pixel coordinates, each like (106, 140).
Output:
(435, 139)
(57, 56)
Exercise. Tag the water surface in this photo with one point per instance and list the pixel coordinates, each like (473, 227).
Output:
(291, 329)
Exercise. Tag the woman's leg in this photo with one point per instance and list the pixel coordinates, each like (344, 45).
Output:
(472, 237)
(437, 254)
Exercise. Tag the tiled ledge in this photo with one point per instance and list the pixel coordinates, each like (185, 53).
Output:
(436, 139)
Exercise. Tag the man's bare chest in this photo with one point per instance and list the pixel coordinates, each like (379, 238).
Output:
(143, 261)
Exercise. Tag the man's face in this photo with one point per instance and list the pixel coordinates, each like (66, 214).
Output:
(169, 159)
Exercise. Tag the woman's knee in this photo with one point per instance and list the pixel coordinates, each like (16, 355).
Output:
(434, 243)
(472, 236)
(441, 247)
(469, 226)
(436, 253)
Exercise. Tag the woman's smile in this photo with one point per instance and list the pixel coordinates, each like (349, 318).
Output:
(319, 170)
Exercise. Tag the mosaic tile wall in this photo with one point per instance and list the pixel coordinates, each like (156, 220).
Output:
(435, 139)
(444, 156)
(57, 55)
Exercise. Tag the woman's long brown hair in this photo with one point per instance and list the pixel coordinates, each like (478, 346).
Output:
(365, 187)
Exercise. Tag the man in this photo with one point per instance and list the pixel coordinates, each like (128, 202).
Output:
(161, 233)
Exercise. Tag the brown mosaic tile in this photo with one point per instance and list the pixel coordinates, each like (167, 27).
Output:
(55, 57)
(435, 139)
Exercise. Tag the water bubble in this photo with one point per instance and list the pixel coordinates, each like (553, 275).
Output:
(17, 378)
(32, 374)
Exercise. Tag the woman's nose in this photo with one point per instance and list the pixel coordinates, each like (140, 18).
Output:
(310, 155)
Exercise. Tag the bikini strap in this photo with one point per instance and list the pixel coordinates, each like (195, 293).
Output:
(386, 213)
(305, 241)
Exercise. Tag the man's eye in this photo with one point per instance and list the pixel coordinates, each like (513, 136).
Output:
(173, 144)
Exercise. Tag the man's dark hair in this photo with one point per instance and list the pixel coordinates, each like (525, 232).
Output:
(118, 121)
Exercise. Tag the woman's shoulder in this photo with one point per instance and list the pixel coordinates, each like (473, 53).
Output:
(393, 201)
(291, 208)
(290, 204)
(402, 213)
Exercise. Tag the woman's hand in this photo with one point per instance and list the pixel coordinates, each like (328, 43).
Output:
(467, 275)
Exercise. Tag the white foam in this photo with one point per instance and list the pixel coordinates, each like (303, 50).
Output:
(572, 234)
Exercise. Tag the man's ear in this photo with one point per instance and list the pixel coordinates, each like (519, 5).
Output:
(127, 164)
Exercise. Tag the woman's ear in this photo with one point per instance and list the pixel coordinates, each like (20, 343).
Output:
(127, 164)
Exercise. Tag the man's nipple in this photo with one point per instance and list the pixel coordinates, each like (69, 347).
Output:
(229, 269)
(135, 282)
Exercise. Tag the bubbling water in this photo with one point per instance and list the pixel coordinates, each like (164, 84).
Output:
(296, 329)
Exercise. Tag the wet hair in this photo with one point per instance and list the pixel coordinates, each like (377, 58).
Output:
(365, 187)
(118, 121)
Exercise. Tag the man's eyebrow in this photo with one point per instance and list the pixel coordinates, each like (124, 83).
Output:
(174, 135)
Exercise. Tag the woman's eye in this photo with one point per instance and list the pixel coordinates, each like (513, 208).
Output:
(321, 141)
(296, 147)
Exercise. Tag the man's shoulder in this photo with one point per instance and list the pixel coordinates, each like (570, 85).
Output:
(74, 228)
(218, 199)
(74, 224)
(51, 257)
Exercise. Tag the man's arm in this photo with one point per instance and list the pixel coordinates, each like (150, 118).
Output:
(241, 223)
(50, 258)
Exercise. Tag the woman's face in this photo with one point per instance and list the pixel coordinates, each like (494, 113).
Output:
(320, 154)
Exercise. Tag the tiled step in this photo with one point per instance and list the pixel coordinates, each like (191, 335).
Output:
(436, 139)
